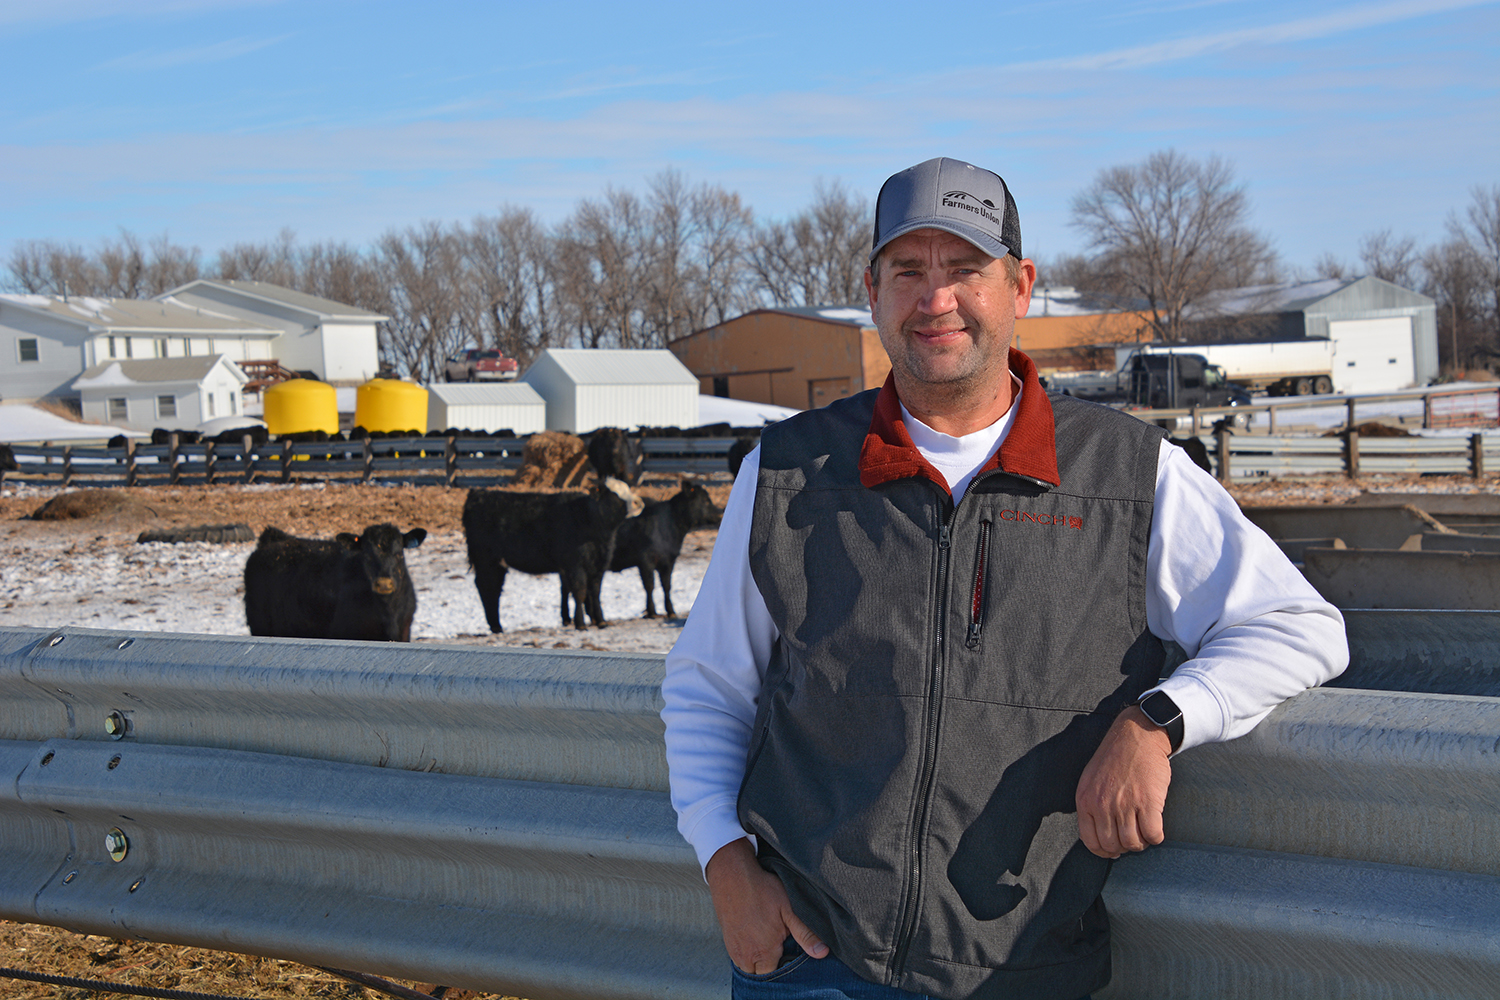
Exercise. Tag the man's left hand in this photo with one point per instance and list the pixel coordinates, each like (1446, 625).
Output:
(1124, 788)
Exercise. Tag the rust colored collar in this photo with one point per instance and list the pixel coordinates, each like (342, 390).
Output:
(1029, 451)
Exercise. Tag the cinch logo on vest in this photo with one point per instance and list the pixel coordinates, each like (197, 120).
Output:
(1045, 520)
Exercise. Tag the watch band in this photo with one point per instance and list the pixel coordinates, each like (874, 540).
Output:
(1163, 711)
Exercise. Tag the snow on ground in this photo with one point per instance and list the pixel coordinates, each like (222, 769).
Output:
(111, 582)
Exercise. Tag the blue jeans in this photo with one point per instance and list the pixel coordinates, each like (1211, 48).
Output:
(802, 978)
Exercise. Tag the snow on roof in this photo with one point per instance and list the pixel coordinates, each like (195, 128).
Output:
(486, 394)
(321, 307)
(1284, 297)
(852, 315)
(20, 423)
(137, 316)
(119, 373)
(739, 412)
(585, 366)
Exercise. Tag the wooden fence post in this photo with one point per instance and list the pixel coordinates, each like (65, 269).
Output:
(1476, 455)
(1222, 434)
(210, 461)
(450, 459)
(247, 453)
(369, 461)
(1350, 405)
(130, 471)
(174, 442)
(286, 459)
(1351, 452)
(67, 465)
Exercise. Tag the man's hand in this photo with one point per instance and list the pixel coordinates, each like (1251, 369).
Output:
(754, 913)
(1124, 788)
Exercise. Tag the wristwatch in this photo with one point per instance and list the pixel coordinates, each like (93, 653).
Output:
(1162, 710)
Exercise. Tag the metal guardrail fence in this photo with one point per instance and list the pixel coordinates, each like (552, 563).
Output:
(498, 819)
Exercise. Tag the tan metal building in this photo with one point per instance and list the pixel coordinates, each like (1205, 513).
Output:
(800, 358)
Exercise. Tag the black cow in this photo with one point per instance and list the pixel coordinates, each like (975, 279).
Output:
(613, 453)
(741, 447)
(1196, 450)
(563, 533)
(352, 587)
(652, 540)
(7, 459)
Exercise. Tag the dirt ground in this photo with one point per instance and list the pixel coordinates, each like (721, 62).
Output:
(336, 508)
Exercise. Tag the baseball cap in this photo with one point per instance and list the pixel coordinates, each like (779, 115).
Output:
(953, 196)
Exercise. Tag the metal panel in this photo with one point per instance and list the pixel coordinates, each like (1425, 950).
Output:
(497, 819)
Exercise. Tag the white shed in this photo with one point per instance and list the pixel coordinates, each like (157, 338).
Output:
(481, 406)
(589, 389)
(174, 393)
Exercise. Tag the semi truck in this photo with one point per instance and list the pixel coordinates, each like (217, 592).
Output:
(1160, 381)
(1277, 368)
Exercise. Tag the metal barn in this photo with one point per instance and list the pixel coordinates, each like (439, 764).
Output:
(477, 406)
(589, 389)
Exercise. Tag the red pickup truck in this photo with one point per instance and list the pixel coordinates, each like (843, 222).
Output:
(479, 366)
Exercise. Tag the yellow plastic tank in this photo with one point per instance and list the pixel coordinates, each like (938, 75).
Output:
(385, 404)
(299, 405)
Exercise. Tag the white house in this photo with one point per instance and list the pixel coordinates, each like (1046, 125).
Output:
(478, 406)
(174, 393)
(589, 389)
(337, 342)
(46, 341)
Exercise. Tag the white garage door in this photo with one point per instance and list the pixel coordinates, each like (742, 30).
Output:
(1372, 355)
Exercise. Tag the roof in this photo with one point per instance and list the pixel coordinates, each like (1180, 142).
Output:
(850, 315)
(482, 394)
(1291, 296)
(136, 316)
(125, 372)
(267, 292)
(1065, 300)
(619, 367)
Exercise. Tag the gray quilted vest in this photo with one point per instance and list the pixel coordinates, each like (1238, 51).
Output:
(943, 676)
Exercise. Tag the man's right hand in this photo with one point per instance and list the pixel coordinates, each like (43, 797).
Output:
(754, 912)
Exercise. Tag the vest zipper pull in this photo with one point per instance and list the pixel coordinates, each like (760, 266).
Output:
(972, 641)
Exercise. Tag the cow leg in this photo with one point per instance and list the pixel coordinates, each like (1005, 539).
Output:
(647, 581)
(664, 571)
(595, 584)
(578, 586)
(489, 580)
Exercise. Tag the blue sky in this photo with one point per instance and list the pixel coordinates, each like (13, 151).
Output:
(218, 121)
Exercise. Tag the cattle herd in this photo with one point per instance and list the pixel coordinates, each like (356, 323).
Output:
(358, 587)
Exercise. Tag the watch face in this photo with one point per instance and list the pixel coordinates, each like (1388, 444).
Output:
(1161, 709)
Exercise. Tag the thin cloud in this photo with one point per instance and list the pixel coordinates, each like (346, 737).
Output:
(55, 12)
(194, 56)
(1301, 30)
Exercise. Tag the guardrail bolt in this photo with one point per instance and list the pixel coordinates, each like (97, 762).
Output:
(116, 844)
(69, 877)
(115, 725)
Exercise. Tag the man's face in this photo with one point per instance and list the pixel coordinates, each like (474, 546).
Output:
(946, 311)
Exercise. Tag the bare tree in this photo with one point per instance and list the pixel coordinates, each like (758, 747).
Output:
(508, 303)
(601, 268)
(817, 257)
(1391, 259)
(1168, 232)
(1478, 231)
(422, 266)
(277, 262)
(1453, 280)
(44, 267)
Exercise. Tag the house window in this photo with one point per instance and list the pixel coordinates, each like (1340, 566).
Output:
(187, 348)
(28, 350)
(130, 347)
(161, 347)
(234, 403)
(166, 406)
(112, 347)
(117, 409)
(210, 397)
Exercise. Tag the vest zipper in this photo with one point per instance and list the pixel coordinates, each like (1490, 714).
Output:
(929, 759)
(976, 602)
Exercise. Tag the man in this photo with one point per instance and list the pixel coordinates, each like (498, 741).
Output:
(915, 709)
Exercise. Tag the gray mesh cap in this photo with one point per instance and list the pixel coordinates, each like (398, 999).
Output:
(953, 196)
